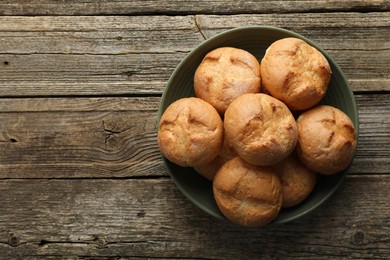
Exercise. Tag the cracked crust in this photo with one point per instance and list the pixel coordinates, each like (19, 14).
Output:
(190, 132)
(260, 128)
(326, 139)
(247, 195)
(295, 73)
(224, 74)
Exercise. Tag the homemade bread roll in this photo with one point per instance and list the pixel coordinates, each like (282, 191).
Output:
(247, 195)
(190, 132)
(260, 128)
(297, 180)
(209, 170)
(326, 139)
(224, 74)
(295, 73)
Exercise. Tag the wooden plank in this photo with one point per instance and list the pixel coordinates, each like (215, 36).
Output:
(97, 34)
(147, 218)
(128, 34)
(328, 30)
(92, 55)
(100, 55)
(57, 138)
(59, 75)
(79, 74)
(374, 125)
(89, 7)
(117, 137)
(57, 56)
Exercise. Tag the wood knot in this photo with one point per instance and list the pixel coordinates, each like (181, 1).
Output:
(128, 73)
(13, 240)
(101, 242)
(141, 214)
(43, 242)
(358, 238)
(6, 63)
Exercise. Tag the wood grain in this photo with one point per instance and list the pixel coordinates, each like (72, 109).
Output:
(81, 175)
(117, 137)
(129, 7)
(147, 218)
(79, 138)
(96, 34)
(79, 74)
(126, 55)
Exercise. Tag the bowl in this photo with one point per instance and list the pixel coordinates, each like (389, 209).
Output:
(255, 39)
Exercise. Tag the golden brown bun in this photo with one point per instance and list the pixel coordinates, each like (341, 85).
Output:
(247, 195)
(190, 132)
(326, 139)
(260, 128)
(209, 170)
(295, 73)
(224, 74)
(297, 180)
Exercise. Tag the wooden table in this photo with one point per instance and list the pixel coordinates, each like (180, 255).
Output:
(81, 175)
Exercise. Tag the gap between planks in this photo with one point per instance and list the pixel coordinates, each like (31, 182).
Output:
(165, 177)
(146, 95)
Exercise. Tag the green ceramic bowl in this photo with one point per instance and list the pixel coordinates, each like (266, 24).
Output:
(256, 40)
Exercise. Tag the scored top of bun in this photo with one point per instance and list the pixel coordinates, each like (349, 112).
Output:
(224, 74)
(260, 128)
(247, 195)
(295, 72)
(326, 139)
(190, 132)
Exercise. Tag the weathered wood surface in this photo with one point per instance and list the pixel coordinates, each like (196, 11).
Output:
(66, 138)
(149, 218)
(116, 137)
(121, 55)
(90, 7)
(81, 176)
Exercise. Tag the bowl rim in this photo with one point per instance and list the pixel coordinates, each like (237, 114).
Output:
(288, 33)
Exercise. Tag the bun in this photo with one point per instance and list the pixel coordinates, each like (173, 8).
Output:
(247, 195)
(326, 139)
(224, 74)
(295, 73)
(210, 169)
(260, 128)
(297, 180)
(190, 132)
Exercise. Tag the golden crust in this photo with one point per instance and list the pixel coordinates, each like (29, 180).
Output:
(295, 73)
(224, 74)
(190, 132)
(247, 195)
(326, 139)
(260, 128)
(297, 180)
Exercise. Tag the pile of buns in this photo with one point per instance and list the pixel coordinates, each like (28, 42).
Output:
(240, 131)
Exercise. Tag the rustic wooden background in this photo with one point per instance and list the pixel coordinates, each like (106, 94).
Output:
(81, 175)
